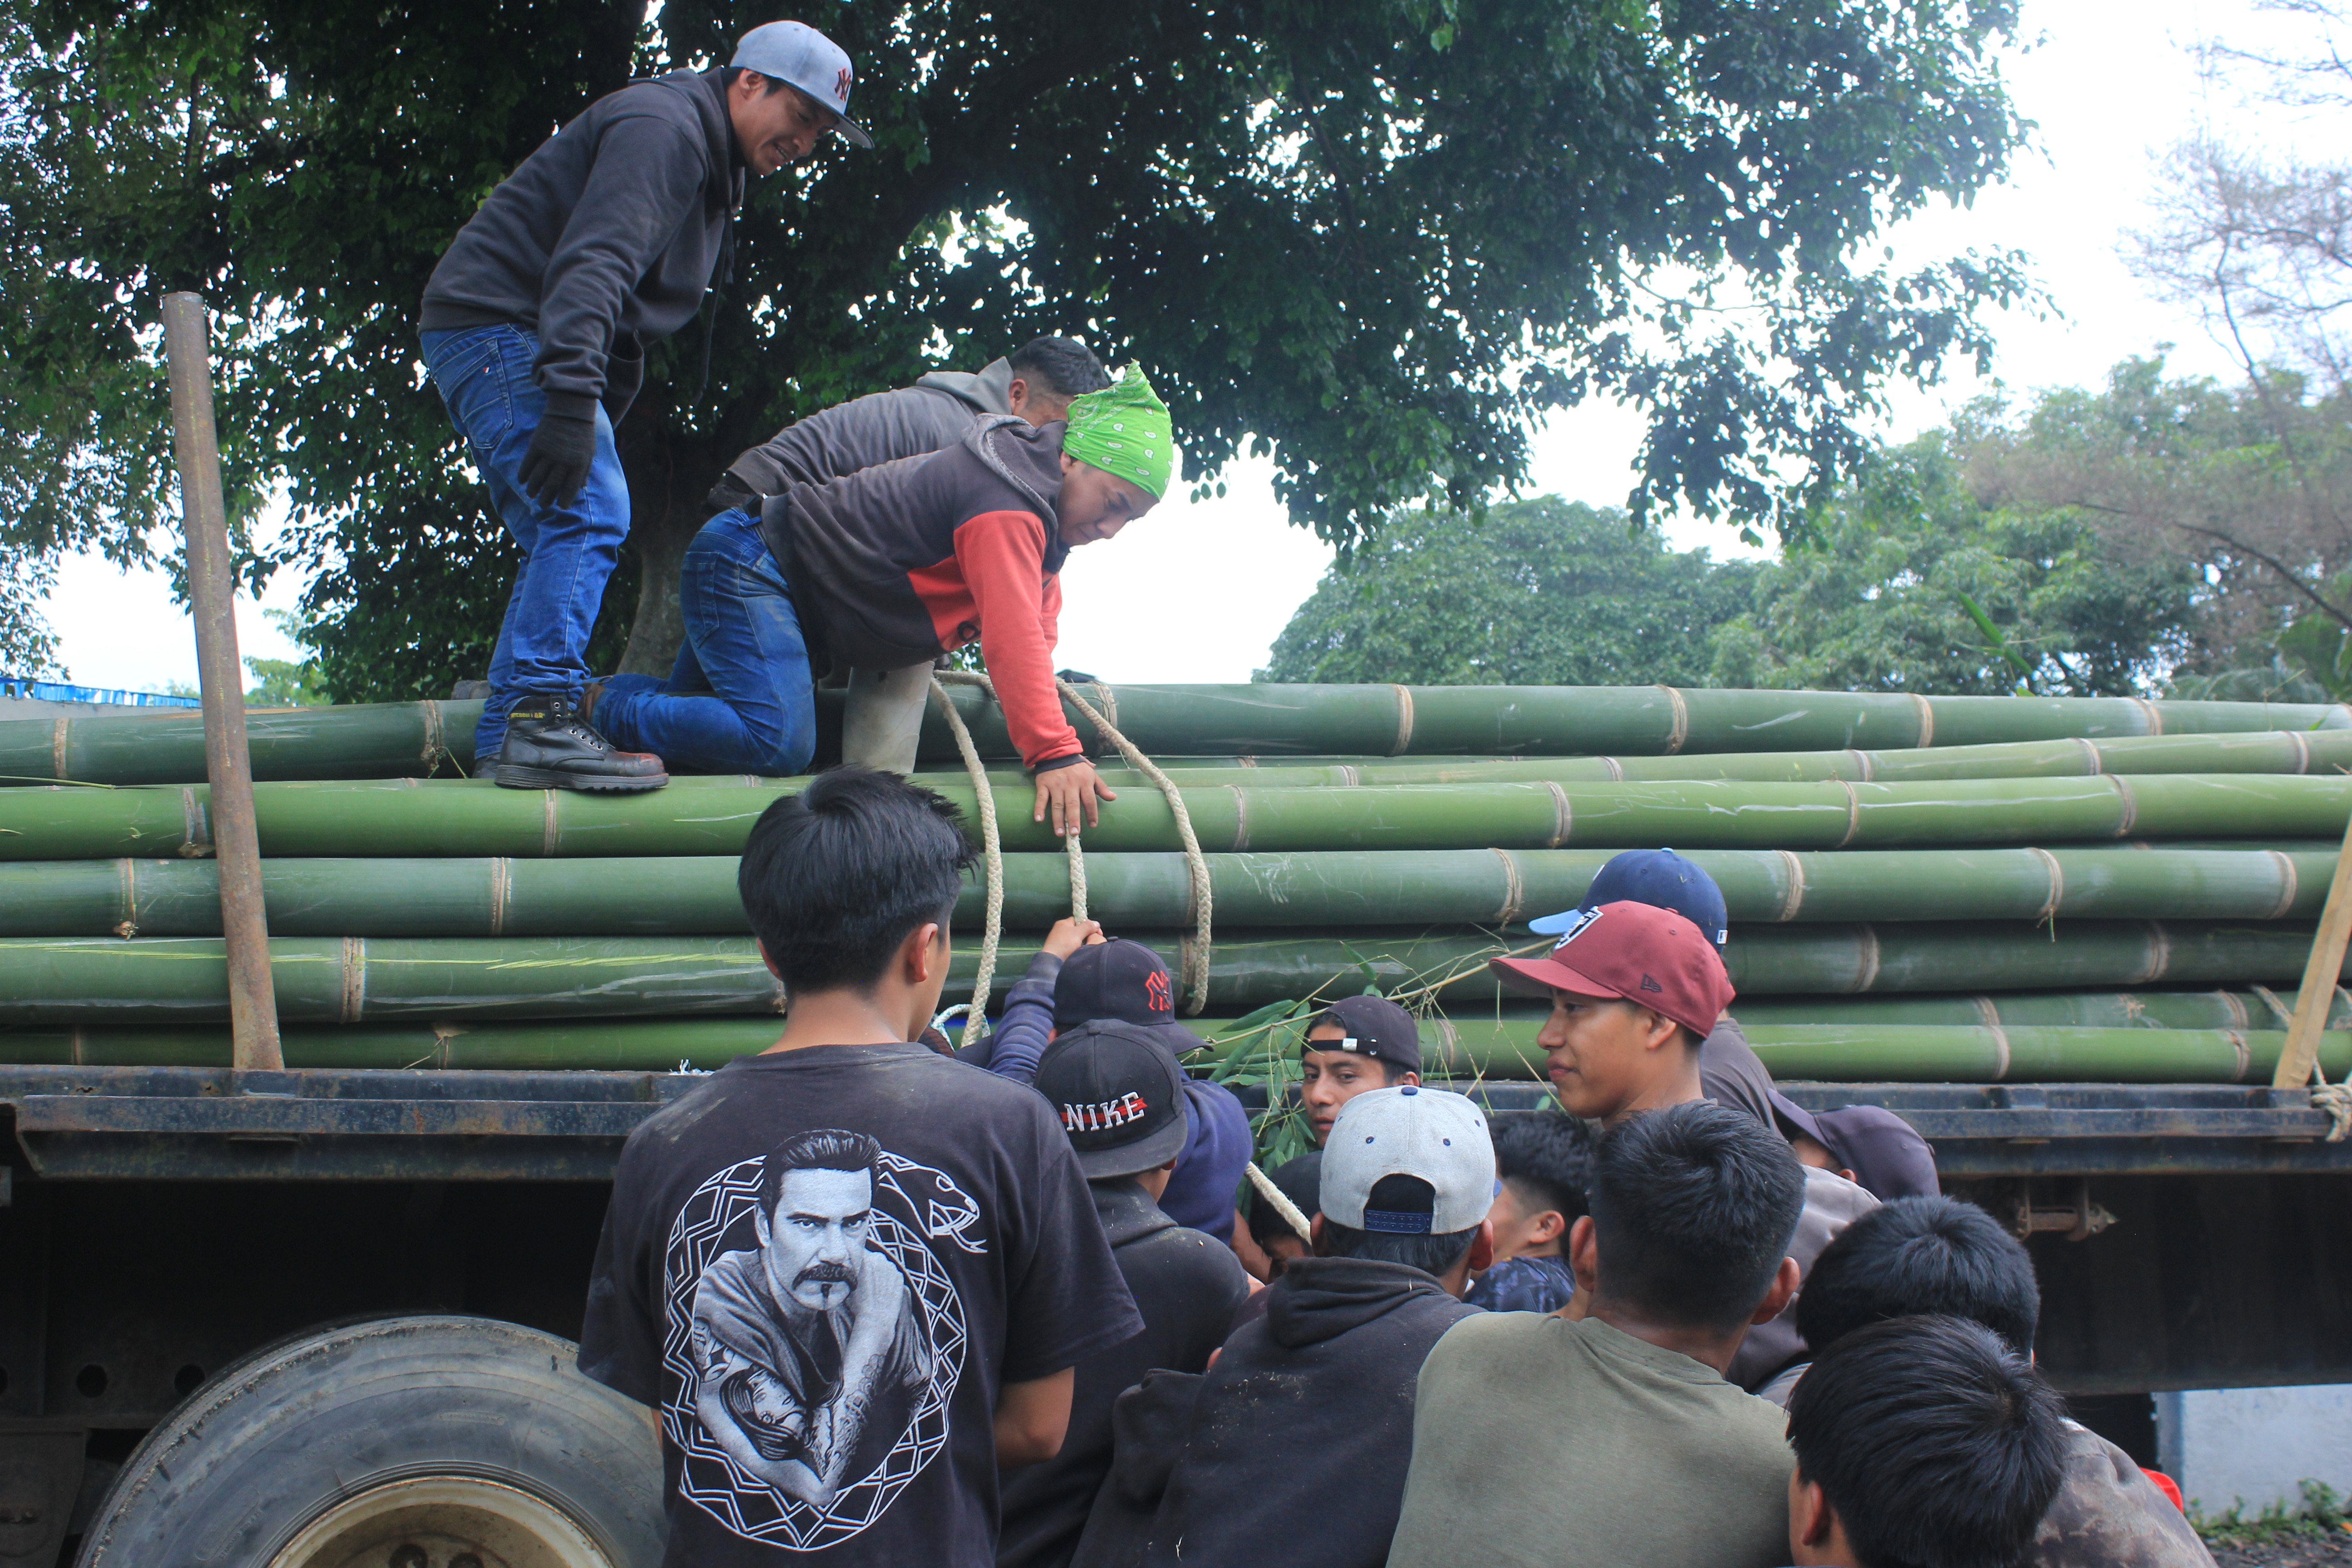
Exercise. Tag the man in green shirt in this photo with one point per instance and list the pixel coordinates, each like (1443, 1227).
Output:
(1611, 1437)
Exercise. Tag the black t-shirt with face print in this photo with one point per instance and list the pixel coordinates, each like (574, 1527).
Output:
(819, 1267)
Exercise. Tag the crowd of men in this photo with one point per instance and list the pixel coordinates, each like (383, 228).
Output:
(1028, 1302)
(900, 1303)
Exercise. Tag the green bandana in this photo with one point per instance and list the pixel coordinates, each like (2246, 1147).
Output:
(1124, 429)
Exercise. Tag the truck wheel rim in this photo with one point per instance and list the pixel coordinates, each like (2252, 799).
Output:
(438, 1521)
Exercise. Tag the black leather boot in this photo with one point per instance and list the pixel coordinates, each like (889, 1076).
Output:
(550, 746)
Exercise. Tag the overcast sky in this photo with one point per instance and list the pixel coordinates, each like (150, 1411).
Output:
(1198, 593)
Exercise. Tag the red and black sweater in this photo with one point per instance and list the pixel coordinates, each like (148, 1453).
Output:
(904, 560)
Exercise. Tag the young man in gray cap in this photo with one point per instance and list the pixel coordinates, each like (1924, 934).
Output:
(534, 328)
(1120, 1097)
(1356, 1045)
(1298, 1438)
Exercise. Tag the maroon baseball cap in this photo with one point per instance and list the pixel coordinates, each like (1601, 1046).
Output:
(1634, 952)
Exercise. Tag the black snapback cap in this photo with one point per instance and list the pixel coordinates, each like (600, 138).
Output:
(1375, 1027)
(1119, 1094)
(1114, 978)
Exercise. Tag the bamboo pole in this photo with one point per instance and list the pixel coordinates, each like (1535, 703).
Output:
(410, 817)
(1224, 720)
(211, 595)
(363, 979)
(1456, 1052)
(2325, 962)
(695, 894)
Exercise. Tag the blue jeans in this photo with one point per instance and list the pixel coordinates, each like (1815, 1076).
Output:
(483, 374)
(739, 700)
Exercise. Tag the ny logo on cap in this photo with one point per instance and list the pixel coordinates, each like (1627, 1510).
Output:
(841, 84)
(1576, 927)
(1104, 1116)
(1155, 992)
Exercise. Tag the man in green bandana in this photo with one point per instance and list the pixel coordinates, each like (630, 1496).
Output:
(888, 567)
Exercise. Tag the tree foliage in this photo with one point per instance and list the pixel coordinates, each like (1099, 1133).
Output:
(1908, 579)
(1376, 238)
(2249, 487)
(1912, 582)
(1533, 592)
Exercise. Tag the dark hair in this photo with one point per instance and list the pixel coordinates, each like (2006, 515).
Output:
(1432, 1255)
(1693, 1207)
(1066, 367)
(835, 876)
(1921, 1255)
(1545, 1157)
(1938, 1446)
(826, 1149)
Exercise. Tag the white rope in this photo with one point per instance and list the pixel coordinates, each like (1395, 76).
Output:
(1275, 1195)
(992, 849)
(1196, 865)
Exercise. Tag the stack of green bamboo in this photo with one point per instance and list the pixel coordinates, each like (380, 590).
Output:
(1941, 889)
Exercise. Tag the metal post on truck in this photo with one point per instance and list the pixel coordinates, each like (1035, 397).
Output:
(253, 1005)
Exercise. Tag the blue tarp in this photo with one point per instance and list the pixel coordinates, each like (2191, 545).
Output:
(52, 691)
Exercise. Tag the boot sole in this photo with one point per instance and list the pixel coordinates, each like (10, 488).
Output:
(514, 776)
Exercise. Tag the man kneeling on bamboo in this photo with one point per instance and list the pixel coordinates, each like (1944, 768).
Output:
(890, 566)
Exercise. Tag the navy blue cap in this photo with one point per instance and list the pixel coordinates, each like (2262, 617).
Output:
(1659, 877)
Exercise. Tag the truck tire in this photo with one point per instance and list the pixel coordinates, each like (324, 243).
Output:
(427, 1442)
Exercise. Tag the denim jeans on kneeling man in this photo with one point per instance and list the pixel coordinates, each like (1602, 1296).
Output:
(739, 700)
(484, 376)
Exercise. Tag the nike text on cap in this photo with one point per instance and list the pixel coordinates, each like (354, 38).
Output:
(1431, 1133)
(1636, 953)
(1119, 1094)
(797, 53)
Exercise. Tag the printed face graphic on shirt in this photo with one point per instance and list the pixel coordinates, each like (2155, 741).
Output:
(816, 1338)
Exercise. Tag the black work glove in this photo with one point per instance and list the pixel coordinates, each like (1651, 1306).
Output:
(556, 467)
(730, 494)
(1076, 677)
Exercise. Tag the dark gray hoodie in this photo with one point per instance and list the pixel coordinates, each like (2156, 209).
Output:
(1312, 1402)
(602, 240)
(881, 428)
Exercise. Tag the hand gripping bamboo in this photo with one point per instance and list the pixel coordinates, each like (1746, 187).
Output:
(2319, 976)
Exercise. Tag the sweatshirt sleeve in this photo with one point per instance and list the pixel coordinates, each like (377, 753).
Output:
(1026, 1025)
(1002, 557)
(648, 174)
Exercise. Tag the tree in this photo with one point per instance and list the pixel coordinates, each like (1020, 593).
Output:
(2248, 487)
(1375, 238)
(1908, 580)
(1912, 582)
(1534, 593)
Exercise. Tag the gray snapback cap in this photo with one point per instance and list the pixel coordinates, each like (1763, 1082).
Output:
(1431, 1133)
(797, 53)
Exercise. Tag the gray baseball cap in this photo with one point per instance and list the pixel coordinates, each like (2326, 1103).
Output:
(797, 53)
(1431, 1133)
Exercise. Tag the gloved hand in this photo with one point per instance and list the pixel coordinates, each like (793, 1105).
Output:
(730, 494)
(1076, 677)
(556, 467)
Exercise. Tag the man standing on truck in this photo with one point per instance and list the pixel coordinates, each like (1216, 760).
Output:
(883, 718)
(890, 567)
(534, 330)
(851, 1276)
